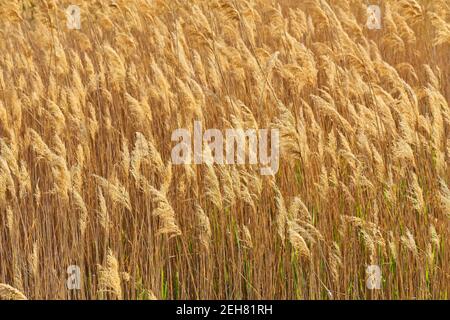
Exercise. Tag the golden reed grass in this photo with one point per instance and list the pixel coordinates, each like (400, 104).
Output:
(86, 178)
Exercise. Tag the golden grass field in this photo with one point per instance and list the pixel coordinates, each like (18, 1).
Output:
(86, 178)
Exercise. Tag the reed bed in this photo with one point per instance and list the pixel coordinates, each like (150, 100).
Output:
(86, 177)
